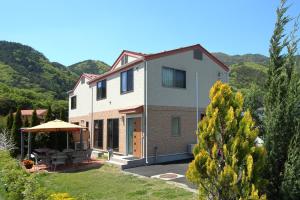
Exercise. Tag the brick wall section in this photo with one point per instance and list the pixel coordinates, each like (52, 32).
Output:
(112, 114)
(159, 129)
(86, 134)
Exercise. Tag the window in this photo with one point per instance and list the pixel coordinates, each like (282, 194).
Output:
(173, 78)
(127, 81)
(82, 80)
(98, 134)
(73, 102)
(101, 90)
(124, 60)
(87, 125)
(198, 54)
(175, 126)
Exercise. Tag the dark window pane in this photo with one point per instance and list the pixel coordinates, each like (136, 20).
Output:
(180, 79)
(127, 81)
(198, 54)
(101, 89)
(130, 80)
(98, 134)
(73, 102)
(123, 82)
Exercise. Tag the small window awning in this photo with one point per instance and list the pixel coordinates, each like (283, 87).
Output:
(133, 110)
(53, 126)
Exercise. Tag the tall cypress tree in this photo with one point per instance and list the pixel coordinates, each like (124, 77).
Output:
(17, 125)
(9, 120)
(49, 115)
(291, 180)
(26, 123)
(279, 120)
(34, 119)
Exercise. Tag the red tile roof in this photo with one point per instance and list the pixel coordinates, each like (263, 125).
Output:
(39, 112)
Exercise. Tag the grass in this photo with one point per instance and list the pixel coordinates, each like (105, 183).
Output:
(109, 183)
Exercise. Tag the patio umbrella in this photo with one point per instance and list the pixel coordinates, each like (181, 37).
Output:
(51, 126)
(54, 126)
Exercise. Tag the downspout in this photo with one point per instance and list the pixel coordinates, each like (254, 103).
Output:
(92, 120)
(146, 112)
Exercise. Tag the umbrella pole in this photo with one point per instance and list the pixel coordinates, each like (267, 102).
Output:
(67, 140)
(29, 145)
(81, 142)
(22, 145)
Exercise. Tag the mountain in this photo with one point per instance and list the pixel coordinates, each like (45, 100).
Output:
(28, 79)
(89, 66)
(234, 59)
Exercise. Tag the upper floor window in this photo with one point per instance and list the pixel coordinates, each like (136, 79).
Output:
(198, 54)
(73, 102)
(127, 81)
(124, 60)
(101, 90)
(173, 78)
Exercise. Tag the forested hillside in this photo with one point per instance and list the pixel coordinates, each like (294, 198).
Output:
(89, 66)
(28, 79)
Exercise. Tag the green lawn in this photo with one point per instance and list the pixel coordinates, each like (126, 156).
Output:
(108, 182)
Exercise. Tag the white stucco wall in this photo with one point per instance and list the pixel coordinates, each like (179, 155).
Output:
(83, 93)
(207, 75)
(116, 100)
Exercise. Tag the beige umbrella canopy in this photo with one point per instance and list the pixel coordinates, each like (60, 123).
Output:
(54, 126)
(51, 126)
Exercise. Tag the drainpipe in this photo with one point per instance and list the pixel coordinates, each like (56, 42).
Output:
(92, 120)
(146, 111)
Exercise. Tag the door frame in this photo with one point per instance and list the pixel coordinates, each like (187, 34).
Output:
(142, 131)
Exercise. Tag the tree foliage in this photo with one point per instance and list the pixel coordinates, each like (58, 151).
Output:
(34, 119)
(49, 115)
(291, 180)
(9, 120)
(227, 162)
(281, 101)
(15, 131)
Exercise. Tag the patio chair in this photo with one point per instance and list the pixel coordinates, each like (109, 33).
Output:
(78, 157)
(89, 154)
(58, 159)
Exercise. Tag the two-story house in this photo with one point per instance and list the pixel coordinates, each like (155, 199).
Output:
(148, 105)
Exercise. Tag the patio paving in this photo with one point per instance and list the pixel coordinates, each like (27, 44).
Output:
(86, 165)
(165, 169)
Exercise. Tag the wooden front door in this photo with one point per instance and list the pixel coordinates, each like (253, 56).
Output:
(134, 137)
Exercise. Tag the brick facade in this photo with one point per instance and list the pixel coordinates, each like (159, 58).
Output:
(159, 129)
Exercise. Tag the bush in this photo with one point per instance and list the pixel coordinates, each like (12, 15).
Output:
(19, 185)
(61, 196)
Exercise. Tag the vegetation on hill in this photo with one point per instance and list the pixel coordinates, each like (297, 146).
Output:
(89, 66)
(29, 80)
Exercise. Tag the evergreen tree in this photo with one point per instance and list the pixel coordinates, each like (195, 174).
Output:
(49, 115)
(9, 120)
(227, 162)
(15, 131)
(34, 119)
(26, 123)
(280, 102)
(291, 180)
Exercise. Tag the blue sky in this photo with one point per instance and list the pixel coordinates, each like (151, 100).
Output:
(69, 31)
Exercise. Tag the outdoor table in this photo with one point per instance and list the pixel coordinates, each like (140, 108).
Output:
(42, 150)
